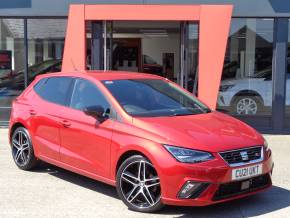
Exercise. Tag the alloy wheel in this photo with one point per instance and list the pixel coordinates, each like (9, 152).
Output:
(247, 106)
(20, 148)
(140, 184)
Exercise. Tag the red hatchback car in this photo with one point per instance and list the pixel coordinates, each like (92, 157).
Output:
(147, 136)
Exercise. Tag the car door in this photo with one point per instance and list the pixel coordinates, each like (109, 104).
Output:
(49, 100)
(86, 142)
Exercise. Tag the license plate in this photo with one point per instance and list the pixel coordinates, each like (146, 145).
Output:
(247, 172)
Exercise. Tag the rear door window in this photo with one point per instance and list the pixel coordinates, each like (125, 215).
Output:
(54, 89)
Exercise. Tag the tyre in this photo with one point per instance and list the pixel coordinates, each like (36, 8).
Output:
(138, 185)
(22, 149)
(247, 105)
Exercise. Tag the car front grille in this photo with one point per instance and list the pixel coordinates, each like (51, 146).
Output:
(233, 189)
(243, 156)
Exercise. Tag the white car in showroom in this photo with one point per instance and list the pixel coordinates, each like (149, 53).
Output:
(251, 95)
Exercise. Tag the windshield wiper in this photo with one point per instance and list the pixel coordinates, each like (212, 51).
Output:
(182, 114)
(193, 112)
(199, 110)
(206, 111)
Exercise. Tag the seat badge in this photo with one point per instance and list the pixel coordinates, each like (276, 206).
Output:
(244, 155)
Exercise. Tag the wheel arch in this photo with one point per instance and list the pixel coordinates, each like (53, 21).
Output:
(14, 127)
(126, 155)
(122, 148)
(247, 92)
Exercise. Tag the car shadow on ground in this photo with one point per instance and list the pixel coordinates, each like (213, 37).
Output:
(272, 200)
(77, 179)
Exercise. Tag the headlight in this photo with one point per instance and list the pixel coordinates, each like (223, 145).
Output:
(266, 146)
(224, 88)
(185, 155)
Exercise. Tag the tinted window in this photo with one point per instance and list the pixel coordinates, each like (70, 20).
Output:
(37, 87)
(152, 97)
(54, 89)
(85, 94)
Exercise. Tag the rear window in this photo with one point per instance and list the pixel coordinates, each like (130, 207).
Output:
(38, 85)
(54, 89)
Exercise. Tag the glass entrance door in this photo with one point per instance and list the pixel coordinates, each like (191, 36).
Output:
(142, 46)
(190, 36)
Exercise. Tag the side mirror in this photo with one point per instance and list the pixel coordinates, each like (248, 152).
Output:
(97, 112)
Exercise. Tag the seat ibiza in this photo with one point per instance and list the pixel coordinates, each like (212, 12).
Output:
(147, 136)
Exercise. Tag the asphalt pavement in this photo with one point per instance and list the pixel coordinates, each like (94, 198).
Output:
(49, 191)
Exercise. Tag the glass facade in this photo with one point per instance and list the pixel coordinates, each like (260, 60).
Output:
(45, 45)
(246, 86)
(12, 64)
(149, 47)
(287, 106)
(95, 45)
(191, 66)
(168, 49)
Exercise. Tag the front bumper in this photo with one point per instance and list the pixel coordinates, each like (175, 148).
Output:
(217, 174)
(225, 98)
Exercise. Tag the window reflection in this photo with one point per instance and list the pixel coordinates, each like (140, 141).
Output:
(287, 109)
(191, 76)
(246, 86)
(45, 46)
(288, 98)
(11, 64)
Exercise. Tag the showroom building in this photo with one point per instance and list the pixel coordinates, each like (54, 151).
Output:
(255, 85)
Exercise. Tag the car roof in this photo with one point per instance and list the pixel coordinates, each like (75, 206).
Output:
(104, 75)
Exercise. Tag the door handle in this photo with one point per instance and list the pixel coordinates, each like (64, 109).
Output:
(65, 123)
(32, 112)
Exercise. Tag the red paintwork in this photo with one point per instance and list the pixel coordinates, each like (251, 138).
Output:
(94, 150)
(214, 24)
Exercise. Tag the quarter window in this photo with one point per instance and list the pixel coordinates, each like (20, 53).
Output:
(86, 94)
(54, 89)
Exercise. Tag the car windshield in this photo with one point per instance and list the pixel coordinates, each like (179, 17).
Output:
(154, 98)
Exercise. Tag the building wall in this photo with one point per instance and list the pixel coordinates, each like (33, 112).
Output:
(247, 8)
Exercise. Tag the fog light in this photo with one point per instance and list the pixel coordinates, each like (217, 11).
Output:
(192, 189)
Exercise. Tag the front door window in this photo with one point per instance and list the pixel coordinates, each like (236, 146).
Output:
(86, 95)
